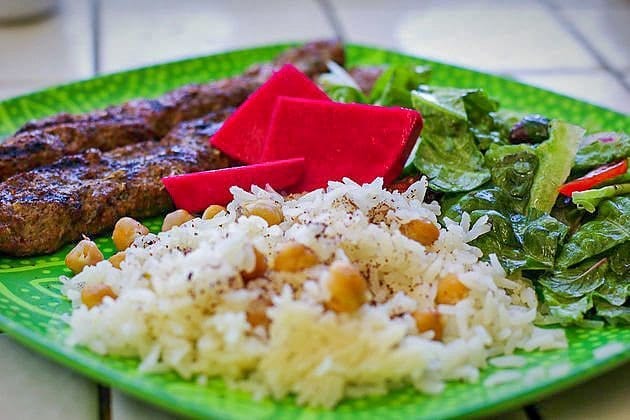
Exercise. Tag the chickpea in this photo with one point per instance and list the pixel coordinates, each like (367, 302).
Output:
(212, 211)
(117, 259)
(85, 253)
(293, 257)
(422, 231)
(429, 320)
(266, 209)
(126, 231)
(450, 290)
(347, 286)
(259, 268)
(176, 218)
(93, 294)
(257, 312)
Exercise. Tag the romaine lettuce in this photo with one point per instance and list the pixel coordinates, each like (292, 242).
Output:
(340, 86)
(393, 87)
(590, 199)
(555, 157)
(611, 227)
(447, 153)
(606, 148)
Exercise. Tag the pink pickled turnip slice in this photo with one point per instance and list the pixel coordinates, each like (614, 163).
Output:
(196, 191)
(243, 134)
(337, 140)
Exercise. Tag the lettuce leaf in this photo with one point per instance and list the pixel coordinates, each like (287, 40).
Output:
(448, 102)
(565, 211)
(555, 157)
(531, 128)
(611, 227)
(570, 295)
(340, 86)
(613, 314)
(557, 309)
(577, 281)
(606, 148)
(451, 162)
(447, 153)
(518, 242)
(541, 239)
(394, 86)
(345, 94)
(620, 261)
(614, 289)
(472, 105)
(503, 122)
(621, 179)
(503, 242)
(479, 108)
(512, 168)
(590, 199)
(604, 280)
(483, 199)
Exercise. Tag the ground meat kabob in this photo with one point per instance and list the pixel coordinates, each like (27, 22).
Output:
(89, 186)
(44, 141)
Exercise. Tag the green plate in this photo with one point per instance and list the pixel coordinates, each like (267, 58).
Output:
(32, 306)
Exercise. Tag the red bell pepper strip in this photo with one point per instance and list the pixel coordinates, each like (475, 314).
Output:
(594, 178)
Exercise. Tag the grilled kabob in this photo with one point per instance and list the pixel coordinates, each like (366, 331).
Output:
(87, 193)
(42, 142)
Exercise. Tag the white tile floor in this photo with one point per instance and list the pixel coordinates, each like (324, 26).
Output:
(127, 408)
(48, 51)
(185, 28)
(470, 33)
(607, 30)
(605, 397)
(588, 4)
(32, 387)
(577, 47)
(595, 86)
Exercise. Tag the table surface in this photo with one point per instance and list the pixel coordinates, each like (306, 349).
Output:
(580, 48)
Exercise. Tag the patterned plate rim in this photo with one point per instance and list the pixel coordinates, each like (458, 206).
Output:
(55, 350)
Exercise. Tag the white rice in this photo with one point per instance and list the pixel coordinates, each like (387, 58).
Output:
(182, 303)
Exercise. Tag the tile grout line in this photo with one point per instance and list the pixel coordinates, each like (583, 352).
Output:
(575, 32)
(553, 71)
(104, 402)
(532, 412)
(330, 14)
(95, 18)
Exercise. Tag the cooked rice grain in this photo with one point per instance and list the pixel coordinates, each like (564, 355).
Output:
(182, 302)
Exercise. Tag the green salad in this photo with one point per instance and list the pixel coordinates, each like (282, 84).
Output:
(557, 197)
